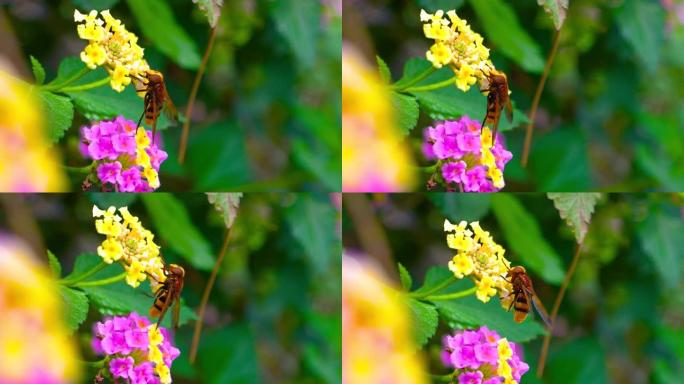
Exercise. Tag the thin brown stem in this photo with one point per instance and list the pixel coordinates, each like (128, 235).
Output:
(554, 310)
(193, 96)
(205, 297)
(537, 98)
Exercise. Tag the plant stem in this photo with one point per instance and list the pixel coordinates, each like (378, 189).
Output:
(52, 86)
(445, 378)
(94, 283)
(537, 98)
(205, 297)
(450, 296)
(86, 169)
(83, 276)
(437, 288)
(85, 87)
(193, 95)
(554, 311)
(94, 364)
(423, 75)
(430, 169)
(431, 87)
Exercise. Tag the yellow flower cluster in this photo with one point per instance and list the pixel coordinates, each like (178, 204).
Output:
(503, 366)
(35, 346)
(457, 46)
(376, 330)
(111, 45)
(487, 159)
(27, 163)
(142, 141)
(129, 243)
(155, 355)
(479, 257)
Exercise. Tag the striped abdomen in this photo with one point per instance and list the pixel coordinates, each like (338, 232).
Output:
(521, 306)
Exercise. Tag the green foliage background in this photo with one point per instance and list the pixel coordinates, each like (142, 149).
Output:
(274, 312)
(621, 319)
(609, 117)
(267, 115)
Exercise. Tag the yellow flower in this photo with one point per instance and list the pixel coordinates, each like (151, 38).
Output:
(497, 176)
(142, 139)
(485, 289)
(135, 273)
(461, 265)
(120, 78)
(93, 55)
(465, 77)
(504, 348)
(154, 335)
(504, 370)
(110, 250)
(439, 55)
(486, 137)
(143, 158)
(163, 372)
(152, 177)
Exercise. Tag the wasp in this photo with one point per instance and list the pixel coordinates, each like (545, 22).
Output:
(156, 99)
(168, 294)
(497, 99)
(523, 293)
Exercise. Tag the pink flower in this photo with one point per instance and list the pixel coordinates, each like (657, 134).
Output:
(129, 180)
(454, 172)
(121, 367)
(474, 377)
(109, 172)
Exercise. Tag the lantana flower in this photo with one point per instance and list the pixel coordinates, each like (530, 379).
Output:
(457, 46)
(479, 257)
(466, 158)
(135, 350)
(112, 46)
(126, 159)
(130, 244)
(482, 356)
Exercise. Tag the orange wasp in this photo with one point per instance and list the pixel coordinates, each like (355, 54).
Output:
(156, 98)
(523, 293)
(168, 294)
(497, 99)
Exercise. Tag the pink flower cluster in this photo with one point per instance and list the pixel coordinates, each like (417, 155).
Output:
(135, 351)
(466, 158)
(125, 158)
(483, 357)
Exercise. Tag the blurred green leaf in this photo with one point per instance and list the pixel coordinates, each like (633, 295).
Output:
(406, 111)
(576, 209)
(461, 206)
(312, 223)
(661, 167)
(433, 6)
(211, 8)
(425, 320)
(642, 23)
(577, 362)
(228, 356)
(105, 200)
(525, 239)
(661, 238)
(558, 10)
(505, 34)
(38, 70)
(59, 113)
(157, 23)
(100, 5)
(55, 266)
(384, 70)
(298, 22)
(559, 161)
(75, 306)
(405, 277)
(226, 204)
(173, 224)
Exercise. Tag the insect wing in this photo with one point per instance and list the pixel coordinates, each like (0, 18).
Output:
(509, 109)
(169, 108)
(539, 307)
(176, 313)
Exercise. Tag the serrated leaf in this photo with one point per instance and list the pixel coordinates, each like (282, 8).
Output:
(661, 238)
(75, 306)
(406, 111)
(226, 204)
(525, 239)
(558, 9)
(38, 70)
(384, 70)
(425, 320)
(55, 266)
(576, 209)
(211, 9)
(470, 312)
(59, 113)
(405, 277)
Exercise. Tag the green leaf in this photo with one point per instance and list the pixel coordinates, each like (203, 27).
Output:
(439, 277)
(642, 24)
(661, 238)
(68, 67)
(100, 5)
(433, 6)
(525, 239)
(211, 9)
(312, 223)
(75, 307)
(470, 312)
(559, 161)
(580, 361)
(226, 204)
(229, 356)
(505, 34)
(173, 224)
(59, 113)
(661, 167)
(55, 266)
(105, 200)
(405, 277)
(406, 110)
(576, 209)
(558, 9)
(157, 23)
(461, 206)
(384, 70)
(38, 70)
(298, 22)
(425, 320)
